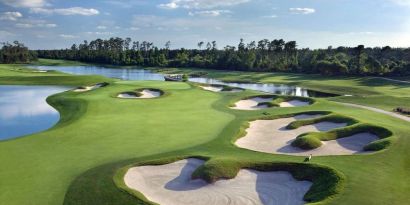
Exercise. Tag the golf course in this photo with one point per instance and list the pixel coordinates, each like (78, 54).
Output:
(123, 141)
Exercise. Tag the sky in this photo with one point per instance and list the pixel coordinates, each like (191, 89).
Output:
(54, 24)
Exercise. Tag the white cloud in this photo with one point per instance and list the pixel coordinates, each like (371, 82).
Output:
(102, 27)
(99, 33)
(200, 4)
(67, 36)
(37, 25)
(25, 3)
(302, 10)
(362, 33)
(212, 13)
(170, 5)
(11, 15)
(134, 28)
(66, 11)
(147, 22)
(270, 16)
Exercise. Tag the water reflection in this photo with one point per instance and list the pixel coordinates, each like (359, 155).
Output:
(141, 74)
(119, 73)
(24, 110)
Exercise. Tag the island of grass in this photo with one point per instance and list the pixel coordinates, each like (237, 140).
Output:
(141, 93)
(259, 102)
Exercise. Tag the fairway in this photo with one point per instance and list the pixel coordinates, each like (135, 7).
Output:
(44, 164)
(82, 160)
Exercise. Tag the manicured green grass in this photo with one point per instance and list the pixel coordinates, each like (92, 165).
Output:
(76, 162)
(355, 168)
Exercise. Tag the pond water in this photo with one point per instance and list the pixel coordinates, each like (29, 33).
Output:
(24, 110)
(141, 74)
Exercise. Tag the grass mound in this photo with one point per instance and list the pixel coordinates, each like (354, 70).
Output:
(328, 118)
(213, 170)
(313, 140)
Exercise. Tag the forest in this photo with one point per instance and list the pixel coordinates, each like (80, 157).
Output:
(16, 53)
(265, 55)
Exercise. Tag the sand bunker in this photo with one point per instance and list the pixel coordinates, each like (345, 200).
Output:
(88, 88)
(293, 103)
(146, 93)
(39, 71)
(212, 88)
(215, 88)
(171, 184)
(252, 103)
(271, 136)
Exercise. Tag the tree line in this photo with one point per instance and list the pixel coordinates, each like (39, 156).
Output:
(264, 55)
(16, 53)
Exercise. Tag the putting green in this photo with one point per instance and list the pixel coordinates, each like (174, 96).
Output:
(75, 162)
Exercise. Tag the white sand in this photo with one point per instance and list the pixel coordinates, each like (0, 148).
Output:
(293, 103)
(171, 184)
(40, 71)
(271, 136)
(88, 88)
(220, 88)
(252, 103)
(212, 88)
(146, 93)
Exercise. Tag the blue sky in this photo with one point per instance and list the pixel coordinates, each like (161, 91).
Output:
(47, 24)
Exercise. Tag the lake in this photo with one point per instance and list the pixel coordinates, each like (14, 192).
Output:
(24, 110)
(141, 74)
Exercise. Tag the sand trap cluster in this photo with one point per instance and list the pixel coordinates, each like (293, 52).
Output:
(252, 103)
(145, 93)
(219, 88)
(171, 184)
(271, 136)
(91, 87)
